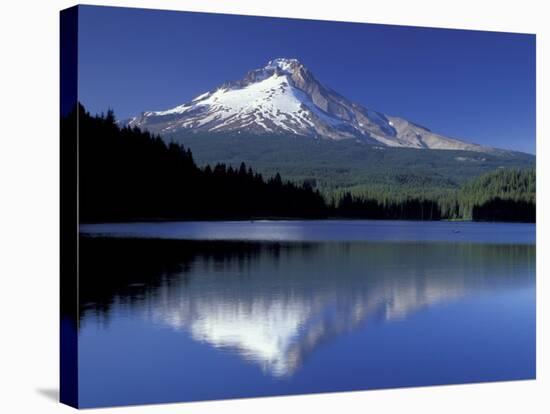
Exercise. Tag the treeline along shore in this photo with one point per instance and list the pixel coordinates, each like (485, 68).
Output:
(126, 174)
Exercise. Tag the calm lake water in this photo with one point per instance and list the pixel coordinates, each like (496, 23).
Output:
(195, 311)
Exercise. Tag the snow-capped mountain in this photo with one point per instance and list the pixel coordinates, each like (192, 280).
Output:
(285, 98)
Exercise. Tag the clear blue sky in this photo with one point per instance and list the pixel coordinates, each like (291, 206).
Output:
(478, 86)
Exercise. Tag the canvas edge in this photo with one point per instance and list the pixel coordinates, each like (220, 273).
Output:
(68, 329)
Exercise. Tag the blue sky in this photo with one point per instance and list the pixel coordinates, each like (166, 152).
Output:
(477, 86)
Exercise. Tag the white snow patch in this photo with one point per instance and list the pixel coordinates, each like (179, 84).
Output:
(270, 99)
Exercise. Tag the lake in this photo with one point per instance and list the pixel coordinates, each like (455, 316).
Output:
(185, 311)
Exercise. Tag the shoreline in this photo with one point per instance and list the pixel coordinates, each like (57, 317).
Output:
(284, 219)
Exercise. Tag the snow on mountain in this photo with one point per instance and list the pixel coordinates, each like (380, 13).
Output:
(285, 98)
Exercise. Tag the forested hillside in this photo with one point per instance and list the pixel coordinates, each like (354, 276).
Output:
(336, 167)
(129, 174)
(501, 195)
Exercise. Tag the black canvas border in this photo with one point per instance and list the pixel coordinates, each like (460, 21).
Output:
(68, 384)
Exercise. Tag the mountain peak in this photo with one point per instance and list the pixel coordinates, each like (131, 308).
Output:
(284, 64)
(288, 67)
(284, 98)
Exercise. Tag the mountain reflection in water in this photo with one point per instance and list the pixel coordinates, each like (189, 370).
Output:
(275, 303)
